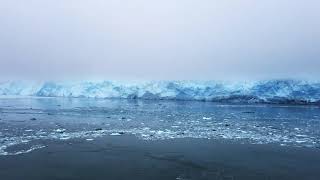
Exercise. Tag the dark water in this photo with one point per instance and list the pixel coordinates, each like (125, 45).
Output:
(56, 138)
(126, 157)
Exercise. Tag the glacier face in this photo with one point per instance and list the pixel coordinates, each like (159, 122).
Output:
(269, 91)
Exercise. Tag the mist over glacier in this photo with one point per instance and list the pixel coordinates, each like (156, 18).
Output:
(230, 51)
(164, 40)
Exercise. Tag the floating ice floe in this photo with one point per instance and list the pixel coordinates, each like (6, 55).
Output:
(60, 130)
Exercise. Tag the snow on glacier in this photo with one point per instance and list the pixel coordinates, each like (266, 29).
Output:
(271, 91)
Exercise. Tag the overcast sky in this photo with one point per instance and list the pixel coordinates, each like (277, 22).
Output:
(159, 39)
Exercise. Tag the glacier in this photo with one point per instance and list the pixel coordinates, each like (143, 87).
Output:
(266, 91)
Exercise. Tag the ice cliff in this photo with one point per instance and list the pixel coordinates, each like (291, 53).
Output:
(271, 91)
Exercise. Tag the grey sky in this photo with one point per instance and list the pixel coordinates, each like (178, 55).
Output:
(164, 39)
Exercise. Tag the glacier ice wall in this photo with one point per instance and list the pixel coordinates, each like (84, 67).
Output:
(271, 91)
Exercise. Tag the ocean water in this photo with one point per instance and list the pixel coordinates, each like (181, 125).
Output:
(27, 124)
